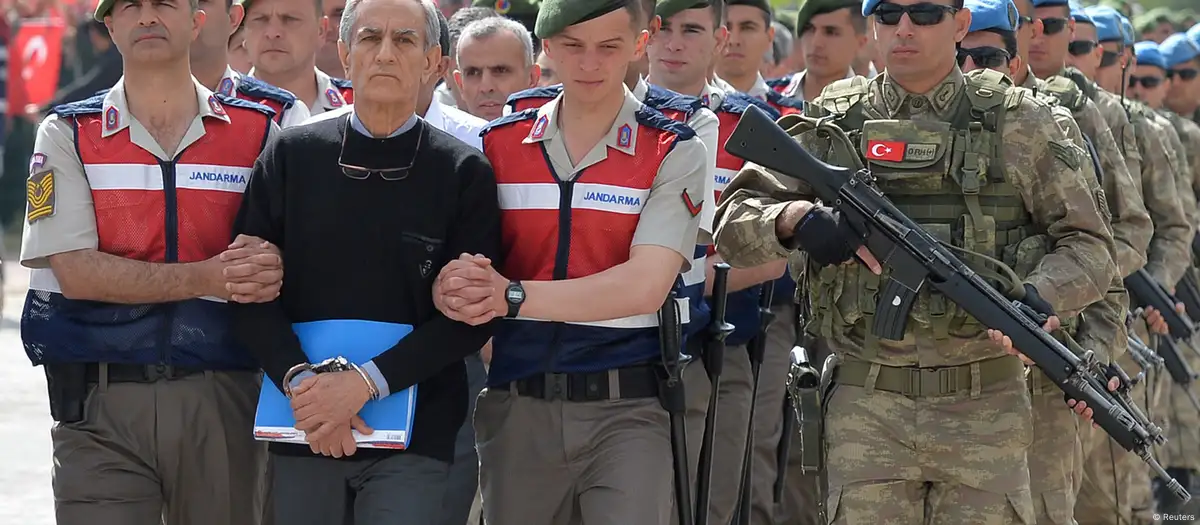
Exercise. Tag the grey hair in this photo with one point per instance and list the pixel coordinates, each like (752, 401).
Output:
(781, 47)
(493, 25)
(433, 29)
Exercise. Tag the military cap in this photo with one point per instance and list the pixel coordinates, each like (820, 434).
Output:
(509, 7)
(992, 14)
(669, 8)
(811, 8)
(1148, 55)
(1126, 29)
(761, 4)
(1146, 21)
(556, 15)
(1079, 15)
(1194, 34)
(1107, 21)
(1049, 3)
(1177, 49)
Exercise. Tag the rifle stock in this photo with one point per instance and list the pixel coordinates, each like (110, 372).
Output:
(914, 258)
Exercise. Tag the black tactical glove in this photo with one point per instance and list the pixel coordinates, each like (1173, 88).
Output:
(1035, 301)
(826, 236)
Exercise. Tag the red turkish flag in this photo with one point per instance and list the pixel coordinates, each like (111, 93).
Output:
(886, 150)
(34, 58)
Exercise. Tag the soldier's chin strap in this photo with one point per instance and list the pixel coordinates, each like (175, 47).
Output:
(1124, 80)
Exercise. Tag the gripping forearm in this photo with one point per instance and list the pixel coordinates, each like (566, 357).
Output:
(636, 287)
(743, 278)
(95, 276)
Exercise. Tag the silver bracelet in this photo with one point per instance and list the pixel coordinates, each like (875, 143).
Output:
(374, 390)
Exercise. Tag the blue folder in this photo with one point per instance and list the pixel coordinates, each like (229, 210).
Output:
(359, 342)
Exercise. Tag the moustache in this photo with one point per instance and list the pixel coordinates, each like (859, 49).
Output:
(148, 32)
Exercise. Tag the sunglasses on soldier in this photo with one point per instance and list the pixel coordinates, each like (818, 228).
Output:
(1082, 47)
(1109, 58)
(1186, 75)
(1146, 82)
(922, 14)
(1053, 26)
(984, 56)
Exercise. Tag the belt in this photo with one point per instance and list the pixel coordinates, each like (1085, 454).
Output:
(124, 373)
(928, 382)
(621, 383)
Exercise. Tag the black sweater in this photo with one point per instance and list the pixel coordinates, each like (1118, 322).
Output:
(370, 250)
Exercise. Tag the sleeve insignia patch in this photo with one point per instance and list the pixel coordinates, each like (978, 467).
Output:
(692, 208)
(39, 196)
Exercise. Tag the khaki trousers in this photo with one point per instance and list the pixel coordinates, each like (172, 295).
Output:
(179, 452)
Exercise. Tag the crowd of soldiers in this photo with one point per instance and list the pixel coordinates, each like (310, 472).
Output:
(1050, 145)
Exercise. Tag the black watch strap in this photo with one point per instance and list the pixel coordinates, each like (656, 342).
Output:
(514, 295)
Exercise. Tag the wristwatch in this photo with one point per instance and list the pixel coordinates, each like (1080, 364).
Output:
(514, 295)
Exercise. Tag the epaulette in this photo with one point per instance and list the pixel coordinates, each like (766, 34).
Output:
(87, 106)
(253, 87)
(780, 82)
(737, 103)
(537, 92)
(784, 102)
(648, 116)
(245, 104)
(661, 98)
(509, 119)
(340, 83)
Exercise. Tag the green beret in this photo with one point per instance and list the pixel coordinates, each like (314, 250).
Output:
(811, 8)
(761, 4)
(509, 7)
(557, 15)
(1148, 20)
(788, 19)
(668, 8)
(102, 9)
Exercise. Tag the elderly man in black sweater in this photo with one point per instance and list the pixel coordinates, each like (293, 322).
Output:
(367, 206)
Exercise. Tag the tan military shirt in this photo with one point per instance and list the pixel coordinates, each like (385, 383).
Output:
(704, 123)
(1187, 135)
(71, 223)
(1075, 274)
(665, 217)
(329, 97)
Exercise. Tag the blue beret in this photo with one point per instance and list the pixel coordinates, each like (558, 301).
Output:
(868, 6)
(1079, 15)
(1194, 34)
(1177, 49)
(1049, 3)
(1107, 21)
(1148, 54)
(1126, 29)
(992, 14)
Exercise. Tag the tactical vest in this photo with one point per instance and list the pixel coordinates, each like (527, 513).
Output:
(553, 229)
(947, 176)
(675, 106)
(780, 84)
(784, 105)
(147, 209)
(345, 88)
(255, 90)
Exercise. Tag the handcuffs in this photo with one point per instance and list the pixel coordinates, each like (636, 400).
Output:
(333, 364)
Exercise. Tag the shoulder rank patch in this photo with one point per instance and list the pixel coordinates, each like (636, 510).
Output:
(335, 99)
(226, 87)
(111, 118)
(624, 136)
(692, 207)
(36, 162)
(39, 196)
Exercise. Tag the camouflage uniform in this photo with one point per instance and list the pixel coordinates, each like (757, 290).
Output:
(1183, 438)
(1056, 456)
(898, 450)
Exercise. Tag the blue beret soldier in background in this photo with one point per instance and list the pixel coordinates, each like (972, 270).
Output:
(570, 427)
(1055, 457)
(954, 466)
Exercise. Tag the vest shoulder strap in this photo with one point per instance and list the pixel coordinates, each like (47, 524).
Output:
(650, 117)
(253, 87)
(988, 89)
(537, 92)
(510, 119)
(663, 99)
(86, 106)
(341, 83)
(737, 103)
(1066, 93)
(1079, 79)
(845, 98)
(244, 104)
(779, 83)
(784, 102)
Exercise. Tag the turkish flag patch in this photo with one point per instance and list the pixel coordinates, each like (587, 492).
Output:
(692, 208)
(886, 150)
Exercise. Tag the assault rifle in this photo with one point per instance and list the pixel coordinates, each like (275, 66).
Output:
(1177, 367)
(916, 259)
(1145, 291)
(1188, 293)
